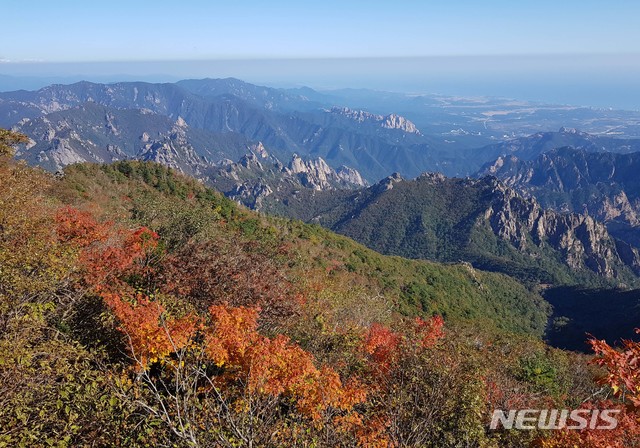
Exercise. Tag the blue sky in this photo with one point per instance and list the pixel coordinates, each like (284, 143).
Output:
(86, 30)
(565, 51)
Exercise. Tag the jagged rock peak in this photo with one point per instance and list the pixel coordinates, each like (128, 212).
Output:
(180, 122)
(317, 174)
(351, 176)
(225, 162)
(391, 121)
(314, 173)
(494, 167)
(583, 241)
(255, 183)
(316, 166)
(602, 184)
(565, 130)
(388, 182)
(172, 151)
(433, 177)
(259, 150)
(250, 161)
(252, 195)
(394, 121)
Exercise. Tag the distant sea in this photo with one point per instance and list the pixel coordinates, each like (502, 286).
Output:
(602, 81)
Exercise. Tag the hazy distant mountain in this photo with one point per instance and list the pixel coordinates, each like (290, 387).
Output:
(286, 123)
(459, 123)
(528, 148)
(95, 133)
(263, 97)
(481, 221)
(334, 126)
(605, 185)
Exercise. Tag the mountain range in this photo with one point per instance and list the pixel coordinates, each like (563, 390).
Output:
(95, 133)
(601, 184)
(376, 133)
(310, 155)
(285, 123)
(532, 146)
(258, 177)
(481, 221)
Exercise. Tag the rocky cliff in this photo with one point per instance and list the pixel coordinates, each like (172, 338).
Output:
(256, 179)
(582, 241)
(95, 133)
(391, 121)
(603, 185)
(285, 122)
(481, 221)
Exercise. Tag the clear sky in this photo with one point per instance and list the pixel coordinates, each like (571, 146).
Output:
(584, 52)
(88, 30)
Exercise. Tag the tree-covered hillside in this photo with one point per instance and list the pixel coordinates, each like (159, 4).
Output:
(158, 199)
(139, 308)
(478, 221)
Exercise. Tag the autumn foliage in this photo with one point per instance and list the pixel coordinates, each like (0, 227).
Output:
(228, 336)
(79, 228)
(152, 335)
(625, 435)
(172, 319)
(622, 376)
(623, 368)
(383, 345)
(273, 366)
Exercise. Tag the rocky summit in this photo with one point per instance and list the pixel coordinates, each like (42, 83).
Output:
(483, 221)
(257, 179)
(603, 185)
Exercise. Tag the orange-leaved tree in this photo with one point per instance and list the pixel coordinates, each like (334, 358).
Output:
(395, 361)
(210, 377)
(384, 347)
(623, 377)
(623, 368)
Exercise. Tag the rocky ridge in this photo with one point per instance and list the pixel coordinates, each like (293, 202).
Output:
(482, 221)
(391, 121)
(255, 179)
(603, 185)
(582, 241)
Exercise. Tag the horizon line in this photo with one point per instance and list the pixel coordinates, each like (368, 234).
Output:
(321, 58)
